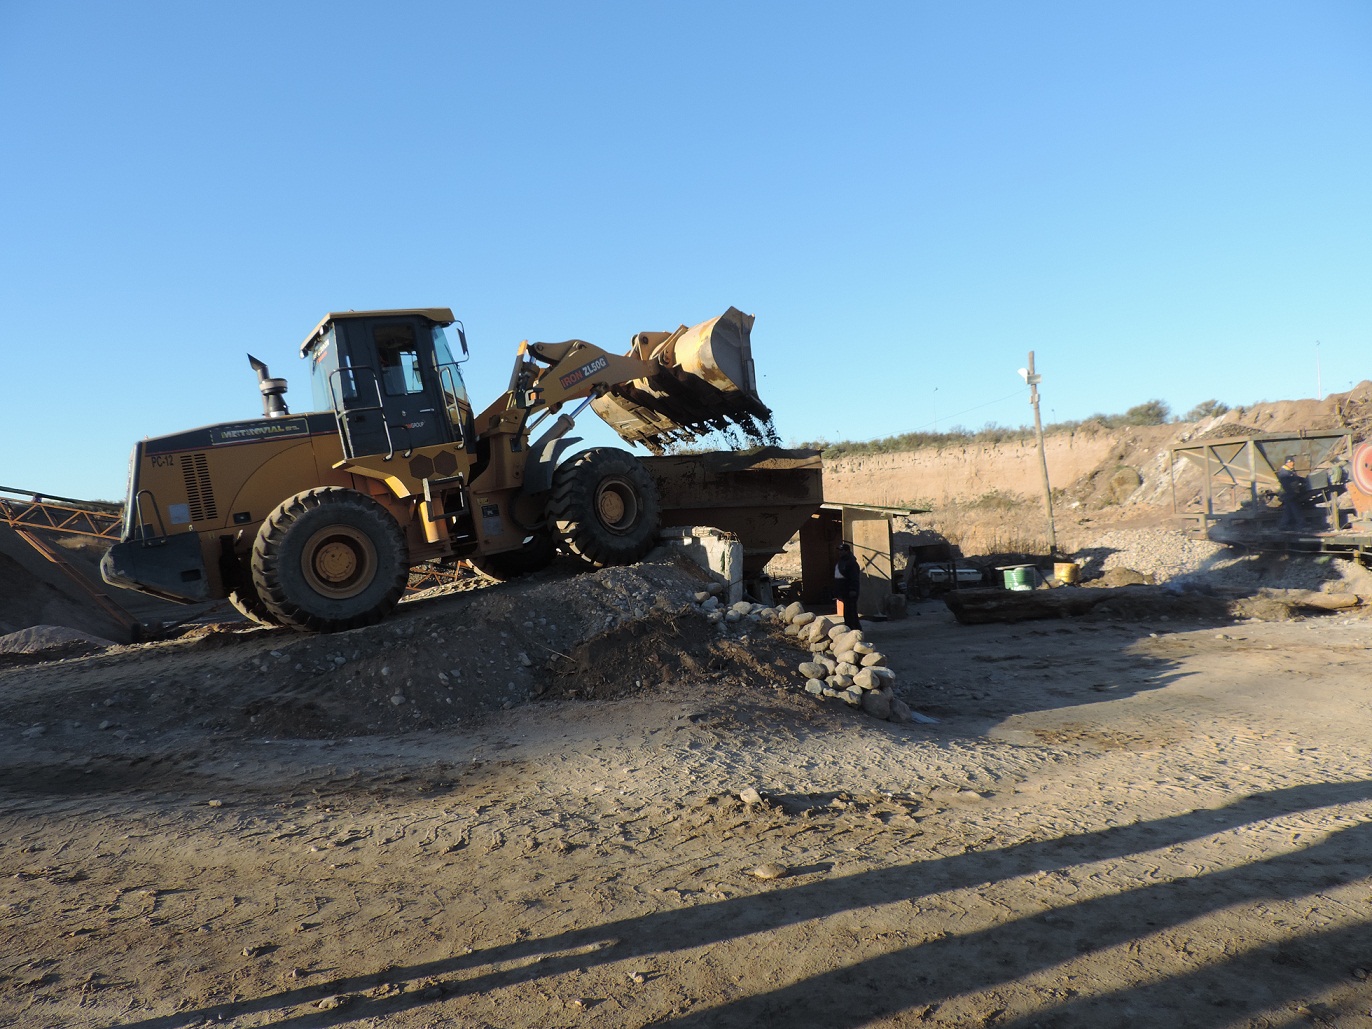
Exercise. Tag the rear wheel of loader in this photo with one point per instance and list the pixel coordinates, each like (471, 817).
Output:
(606, 507)
(330, 559)
(536, 554)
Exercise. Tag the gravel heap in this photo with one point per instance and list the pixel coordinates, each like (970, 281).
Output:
(1168, 556)
(1161, 554)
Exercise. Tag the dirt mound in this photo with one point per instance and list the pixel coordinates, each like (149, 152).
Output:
(48, 643)
(1227, 430)
(664, 649)
(447, 658)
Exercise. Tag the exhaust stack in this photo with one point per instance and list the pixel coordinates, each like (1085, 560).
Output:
(273, 390)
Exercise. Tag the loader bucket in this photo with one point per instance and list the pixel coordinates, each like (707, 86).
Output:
(705, 382)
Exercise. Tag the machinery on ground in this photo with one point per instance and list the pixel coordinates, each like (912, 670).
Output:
(314, 520)
(1241, 495)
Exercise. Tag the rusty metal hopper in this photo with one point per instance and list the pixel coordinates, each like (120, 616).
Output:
(705, 382)
(762, 496)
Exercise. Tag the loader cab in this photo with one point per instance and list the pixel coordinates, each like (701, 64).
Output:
(391, 380)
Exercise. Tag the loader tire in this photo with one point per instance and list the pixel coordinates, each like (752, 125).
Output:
(605, 506)
(329, 559)
(536, 554)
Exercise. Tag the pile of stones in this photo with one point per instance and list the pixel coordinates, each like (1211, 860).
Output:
(842, 664)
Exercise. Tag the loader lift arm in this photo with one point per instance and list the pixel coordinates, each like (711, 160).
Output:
(669, 387)
(547, 375)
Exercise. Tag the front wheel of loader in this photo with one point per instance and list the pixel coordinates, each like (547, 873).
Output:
(606, 507)
(536, 554)
(330, 559)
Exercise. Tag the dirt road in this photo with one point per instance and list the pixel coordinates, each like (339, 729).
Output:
(1113, 824)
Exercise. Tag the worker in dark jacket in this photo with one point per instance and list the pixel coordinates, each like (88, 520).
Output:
(847, 583)
(1293, 490)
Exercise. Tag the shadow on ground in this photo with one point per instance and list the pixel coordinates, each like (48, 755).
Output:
(917, 978)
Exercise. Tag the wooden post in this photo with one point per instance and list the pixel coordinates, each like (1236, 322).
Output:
(1033, 380)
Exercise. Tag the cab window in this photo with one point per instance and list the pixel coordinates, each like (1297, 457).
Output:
(323, 380)
(398, 355)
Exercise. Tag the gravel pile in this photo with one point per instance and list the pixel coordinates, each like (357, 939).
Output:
(1161, 554)
(1166, 555)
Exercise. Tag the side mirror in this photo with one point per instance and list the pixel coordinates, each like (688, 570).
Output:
(462, 338)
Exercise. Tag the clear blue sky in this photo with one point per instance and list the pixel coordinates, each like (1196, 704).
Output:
(1164, 199)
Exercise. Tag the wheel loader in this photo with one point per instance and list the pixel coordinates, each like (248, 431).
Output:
(313, 520)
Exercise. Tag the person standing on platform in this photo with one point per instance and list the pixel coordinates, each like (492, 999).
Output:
(1293, 488)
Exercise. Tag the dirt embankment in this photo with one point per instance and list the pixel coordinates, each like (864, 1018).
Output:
(961, 472)
(988, 496)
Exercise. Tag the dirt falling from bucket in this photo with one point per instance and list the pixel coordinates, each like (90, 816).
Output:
(742, 432)
(761, 432)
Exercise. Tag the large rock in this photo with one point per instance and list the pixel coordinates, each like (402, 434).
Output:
(867, 680)
(877, 704)
(821, 626)
(846, 640)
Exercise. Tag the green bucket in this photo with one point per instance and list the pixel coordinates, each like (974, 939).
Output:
(1019, 577)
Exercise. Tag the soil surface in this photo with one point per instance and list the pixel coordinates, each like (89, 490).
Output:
(528, 806)
(574, 801)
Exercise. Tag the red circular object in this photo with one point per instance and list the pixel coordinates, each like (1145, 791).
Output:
(1362, 468)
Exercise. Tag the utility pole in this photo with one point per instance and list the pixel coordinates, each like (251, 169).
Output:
(1033, 379)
